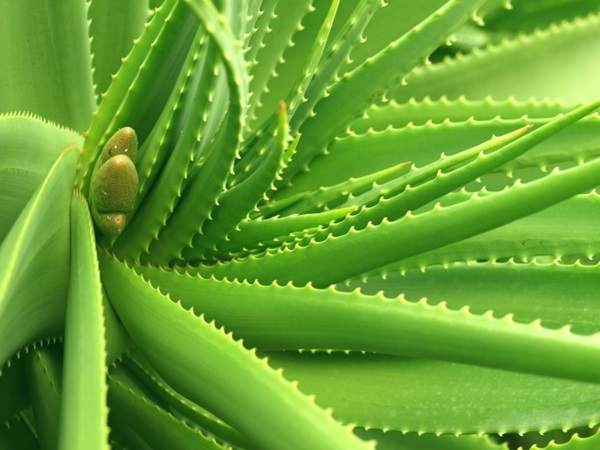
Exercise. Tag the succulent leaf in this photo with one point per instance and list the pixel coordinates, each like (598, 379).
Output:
(403, 254)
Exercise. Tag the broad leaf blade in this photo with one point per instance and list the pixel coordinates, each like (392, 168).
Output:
(28, 148)
(34, 262)
(518, 67)
(46, 69)
(438, 397)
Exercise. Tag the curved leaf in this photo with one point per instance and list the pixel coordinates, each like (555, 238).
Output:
(288, 318)
(28, 148)
(423, 396)
(210, 368)
(47, 69)
(44, 372)
(34, 262)
(113, 27)
(143, 82)
(518, 67)
(83, 412)
(355, 91)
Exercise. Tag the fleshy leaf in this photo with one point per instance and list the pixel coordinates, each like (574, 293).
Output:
(13, 390)
(29, 147)
(131, 409)
(114, 25)
(355, 91)
(53, 81)
(424, 396)
(34, 262)
(143, 82)
(518, 67)
(44, 372)
(556, 294)
(157, 388)
(288, 318)
(17, 434)
(83, 413)
(395, 440)
(223, 373)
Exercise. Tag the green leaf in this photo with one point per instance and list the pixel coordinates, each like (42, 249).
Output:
(37, 248)
(29, 147)
(13, 390)
(130, 408)
(259, 234)
(518, 67)
(424, 144)
(400, 115)
(179, 143)
(224, 377)
(329, 66)
(83, 414)
(276, 28)
(143, 83)
(47, 69)
(354, 92)
(236, 203)
(44, 372)
(287, 318)
(395, 440)
(541, 234)
(390, 22)
(210, 177)
(557, 294)
(174, 401)
(17, 434)
(526, 17)
(437, 397)
(576, 443)
(113, 27)
(316, 261)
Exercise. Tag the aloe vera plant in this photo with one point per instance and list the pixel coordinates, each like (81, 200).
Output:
(299, 224)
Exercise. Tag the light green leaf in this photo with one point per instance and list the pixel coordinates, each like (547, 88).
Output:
(47, 69)
(114, 24)
(576, 443)
(518, 67)
(422, 396)
(557, 294)
(355, 91)
(28, 148)
(287, 318)
(539, 235)
(162, 393)
(317, 261)
(395, 440)
(143, 83)
(83, 414)
(224, 377)
(34, 262)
